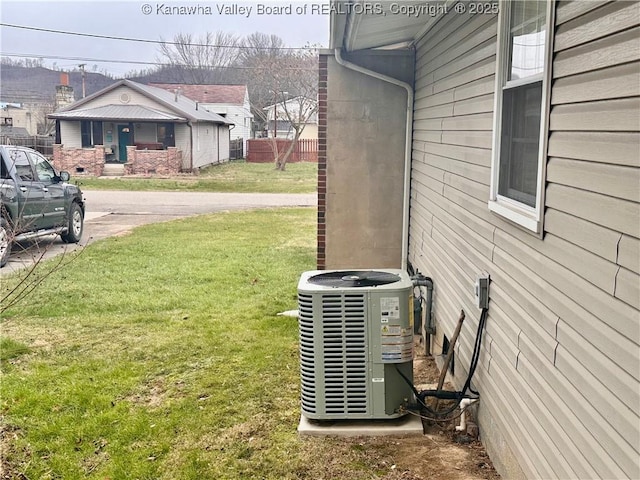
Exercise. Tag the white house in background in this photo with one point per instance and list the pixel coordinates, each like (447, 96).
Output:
(298, 109)
(228, 101)
(141, 129)
(14, 117)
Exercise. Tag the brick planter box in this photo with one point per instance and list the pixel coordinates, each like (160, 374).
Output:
(79, 161)
(148, 162)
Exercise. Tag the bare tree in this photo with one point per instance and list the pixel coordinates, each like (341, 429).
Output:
(200, 60)
(283, 86)
(44, 125)
(259, 51)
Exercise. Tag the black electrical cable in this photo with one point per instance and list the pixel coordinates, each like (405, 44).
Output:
(458, 395)
(476, 353)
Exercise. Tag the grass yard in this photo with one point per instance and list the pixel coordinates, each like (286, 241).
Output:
(159, 355)
(235, 176)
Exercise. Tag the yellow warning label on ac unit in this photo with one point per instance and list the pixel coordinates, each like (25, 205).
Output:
(411, 311)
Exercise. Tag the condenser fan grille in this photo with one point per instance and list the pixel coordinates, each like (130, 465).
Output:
(342, 279)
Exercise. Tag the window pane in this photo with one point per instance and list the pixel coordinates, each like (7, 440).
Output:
(22, 164)
(85, 133)
(520, 142)
(527, 38)
(43, 169)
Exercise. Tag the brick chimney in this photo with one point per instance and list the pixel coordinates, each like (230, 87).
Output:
(64, 92)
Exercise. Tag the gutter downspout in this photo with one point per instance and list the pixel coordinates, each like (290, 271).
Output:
(190, 124)
(407, 145)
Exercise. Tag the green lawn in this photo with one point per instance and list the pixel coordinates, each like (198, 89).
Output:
(159, 355)
(236, 176)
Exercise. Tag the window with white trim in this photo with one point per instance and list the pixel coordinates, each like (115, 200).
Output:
(521, 111)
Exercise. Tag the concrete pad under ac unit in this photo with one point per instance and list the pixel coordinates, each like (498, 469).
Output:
(409, 425)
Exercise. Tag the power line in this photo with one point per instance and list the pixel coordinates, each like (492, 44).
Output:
(138, 62)
(144, 40)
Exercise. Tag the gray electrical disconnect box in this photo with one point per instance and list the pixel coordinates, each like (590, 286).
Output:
(482, 290)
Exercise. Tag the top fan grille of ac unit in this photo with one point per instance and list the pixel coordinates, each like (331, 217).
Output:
(351, 279)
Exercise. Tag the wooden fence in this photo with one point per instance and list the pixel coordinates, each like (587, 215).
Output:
(42, 144)
(261, 150)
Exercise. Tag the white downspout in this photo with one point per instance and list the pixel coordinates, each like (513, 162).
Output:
(407, 145)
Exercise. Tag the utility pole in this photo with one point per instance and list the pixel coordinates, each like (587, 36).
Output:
(82, 65)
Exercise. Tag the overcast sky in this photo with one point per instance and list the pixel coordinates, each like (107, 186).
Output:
(147, 20)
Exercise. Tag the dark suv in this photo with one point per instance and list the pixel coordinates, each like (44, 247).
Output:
(35, 200)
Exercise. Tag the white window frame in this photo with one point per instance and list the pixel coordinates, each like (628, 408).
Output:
(521, 214)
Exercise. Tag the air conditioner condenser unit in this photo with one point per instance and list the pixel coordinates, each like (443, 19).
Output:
(356, 335)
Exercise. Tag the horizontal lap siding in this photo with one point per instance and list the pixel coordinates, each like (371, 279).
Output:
(563, 334)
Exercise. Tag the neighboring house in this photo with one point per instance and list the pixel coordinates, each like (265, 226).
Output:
(147, 129)
(228, 101)
(300, 110)
(521, 133)
(17, 116)
(9, 132)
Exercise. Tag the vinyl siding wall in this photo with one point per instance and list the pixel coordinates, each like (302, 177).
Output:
(223, 145)
(114, 97)
(560, 367)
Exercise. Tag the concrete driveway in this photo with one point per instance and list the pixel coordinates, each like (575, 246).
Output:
(110, 213)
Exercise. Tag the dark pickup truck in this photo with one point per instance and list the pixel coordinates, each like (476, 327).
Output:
(35, 200)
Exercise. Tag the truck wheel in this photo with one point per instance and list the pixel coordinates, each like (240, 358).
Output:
(75, 225)
(5, 242)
